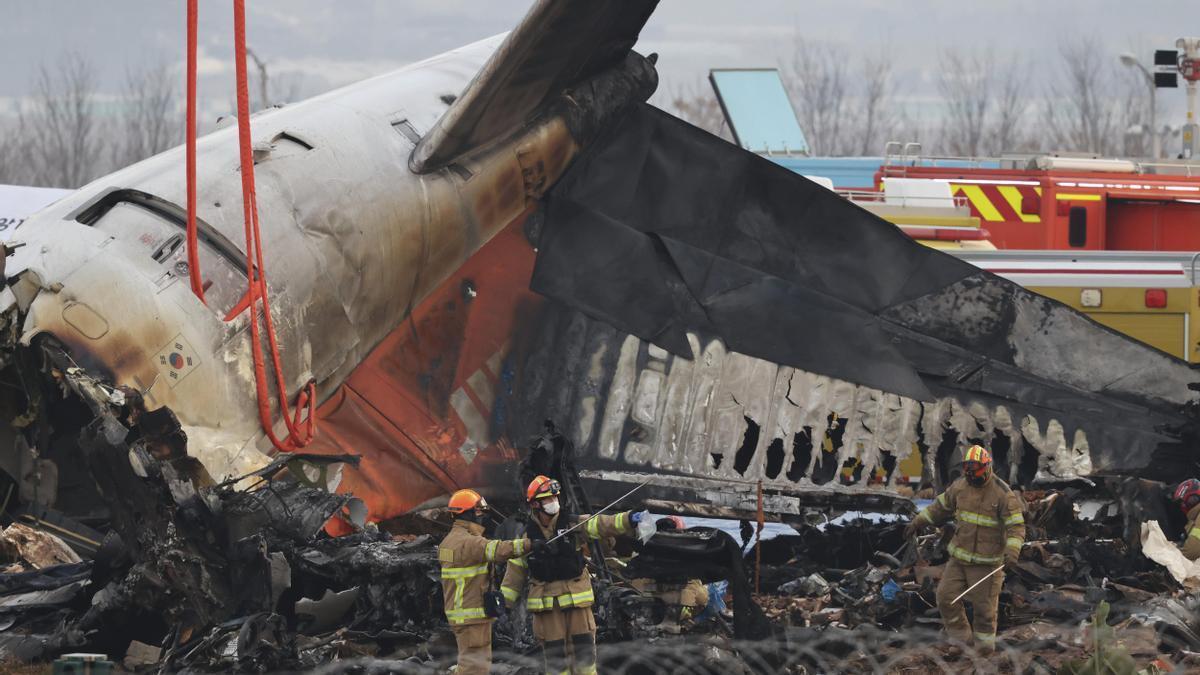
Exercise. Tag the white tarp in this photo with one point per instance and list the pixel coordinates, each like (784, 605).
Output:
(18, 202)
(1161, 550)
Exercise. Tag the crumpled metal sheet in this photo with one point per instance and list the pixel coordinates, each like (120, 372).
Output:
(36, 549)
(682, 240)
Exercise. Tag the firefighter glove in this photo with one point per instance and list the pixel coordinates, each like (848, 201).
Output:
(912, 529)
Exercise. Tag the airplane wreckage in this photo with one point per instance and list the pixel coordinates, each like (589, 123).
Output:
(458, 251)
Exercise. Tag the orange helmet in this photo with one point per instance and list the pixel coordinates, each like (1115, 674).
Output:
(976, 463)
(466, 500)
(542, 487)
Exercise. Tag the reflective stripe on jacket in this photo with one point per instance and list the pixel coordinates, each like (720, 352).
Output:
(1191, 537)
(988, 519)
(466, 557)
(577, 592)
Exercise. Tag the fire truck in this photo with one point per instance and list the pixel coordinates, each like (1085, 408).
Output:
(1069, 202)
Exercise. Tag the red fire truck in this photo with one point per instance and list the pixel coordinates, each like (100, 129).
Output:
(1071, 202)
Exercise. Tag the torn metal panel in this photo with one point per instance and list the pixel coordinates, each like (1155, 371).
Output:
(680, 239)
(28, 548)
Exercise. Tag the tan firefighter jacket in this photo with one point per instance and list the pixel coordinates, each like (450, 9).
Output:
(466, 557)
(1191, 541)
(577, 592)
(989, 522)
(692, 593)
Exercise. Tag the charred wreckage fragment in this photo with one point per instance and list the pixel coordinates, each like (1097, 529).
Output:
(232, 575)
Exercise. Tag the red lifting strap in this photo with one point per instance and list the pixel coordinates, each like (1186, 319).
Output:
(300, 430)
(193, 252)
(300, 434)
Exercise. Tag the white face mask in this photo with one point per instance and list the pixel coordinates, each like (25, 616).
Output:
(550, 508)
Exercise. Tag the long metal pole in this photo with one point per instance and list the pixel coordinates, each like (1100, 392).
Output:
(576, 526)
(1155, 139)
(974, 585)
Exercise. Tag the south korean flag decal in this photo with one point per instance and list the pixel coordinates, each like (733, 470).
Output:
(177, 360)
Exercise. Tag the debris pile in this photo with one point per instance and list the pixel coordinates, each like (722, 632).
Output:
(839, 584)
(215, 577)
(201, 576)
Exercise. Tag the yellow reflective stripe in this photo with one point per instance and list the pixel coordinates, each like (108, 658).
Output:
(980, 201)
(578, 598)
(941, 499)
(1195, 532)
(461, 615)
(519, 562)
(1014, 542)
(976, 519)
(590, 670)
(518, 547)
(464, 572)
(489, 551)
(1077, 197)
(925, 514)
(986, 637)
(973, 558)
(1017, 518)
(593, 527)
(510, 594)
(564, 600)
(622, 522)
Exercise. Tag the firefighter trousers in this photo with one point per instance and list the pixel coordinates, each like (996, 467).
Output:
(474, 648)
(985, 600)
(568, 638)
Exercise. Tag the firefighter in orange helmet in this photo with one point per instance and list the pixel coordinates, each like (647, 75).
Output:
(560, 595)
(989, 532)
(466, 558)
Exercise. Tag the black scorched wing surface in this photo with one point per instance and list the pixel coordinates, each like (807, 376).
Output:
(663, 229)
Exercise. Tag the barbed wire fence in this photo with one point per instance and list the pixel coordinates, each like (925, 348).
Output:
(917, 650)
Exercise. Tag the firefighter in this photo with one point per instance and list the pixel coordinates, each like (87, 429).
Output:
(990, 529)
(466, 557)
(560, 595)
(1187, 495)
(686, 598)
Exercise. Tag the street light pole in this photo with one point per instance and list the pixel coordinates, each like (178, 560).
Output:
(1155, 142)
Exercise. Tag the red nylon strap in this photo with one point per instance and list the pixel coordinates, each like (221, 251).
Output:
(193, 253)
(300, 433)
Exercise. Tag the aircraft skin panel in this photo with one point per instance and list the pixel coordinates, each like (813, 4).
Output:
(425, 409)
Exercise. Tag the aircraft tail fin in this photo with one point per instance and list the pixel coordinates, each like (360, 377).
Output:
(558, 44)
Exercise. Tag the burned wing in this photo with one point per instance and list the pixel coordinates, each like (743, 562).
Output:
(711, 253)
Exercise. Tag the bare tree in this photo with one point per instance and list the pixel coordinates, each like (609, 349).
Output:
(1079, 113)
(876, 108)
(965, 83)
(13, 167)
(1011, 102)
(149, 121)
(697, 105)
(281, 89)
(61, 141)
(816, 80)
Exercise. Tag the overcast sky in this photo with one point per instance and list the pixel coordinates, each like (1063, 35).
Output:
(326, 43)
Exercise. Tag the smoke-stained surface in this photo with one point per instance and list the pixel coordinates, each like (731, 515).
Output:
(685, 241)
